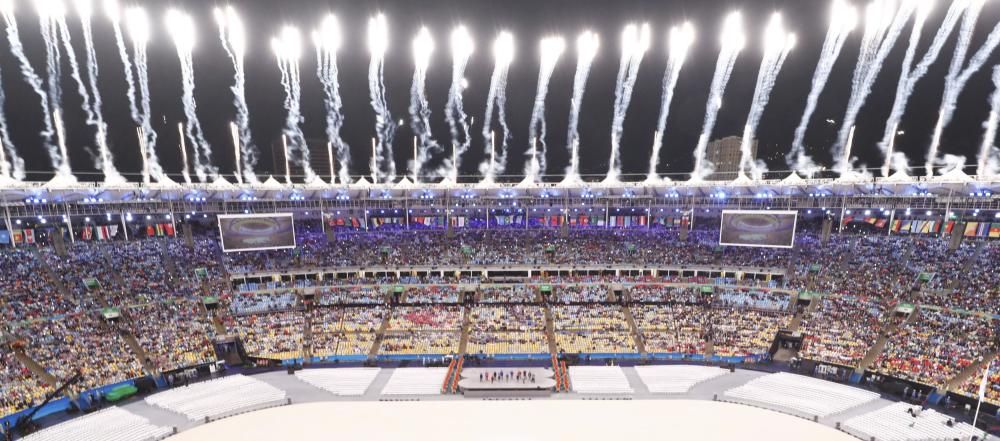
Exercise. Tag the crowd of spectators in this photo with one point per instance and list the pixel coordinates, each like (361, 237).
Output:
(843, 328)
(158, 283)
(432, 294)
(277, 335)
(674, 328)
(582, 293)
(936, 346)
(592, 328)
(507, 294)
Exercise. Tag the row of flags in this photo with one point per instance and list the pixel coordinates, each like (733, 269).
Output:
(919, 226)
(99, 232)
(18, 236)
(159, 230)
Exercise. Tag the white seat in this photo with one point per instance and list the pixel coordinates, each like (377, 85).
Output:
(676, 379)
(218, 398)
(599, 380)
(800, 395)
(894, 423)
(415, 381)
(111, 424)
(340, 381)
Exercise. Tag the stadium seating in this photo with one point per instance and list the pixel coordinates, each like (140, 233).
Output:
(894, 422)
(342, 382)
(218, 398)
(111, 424)
(804, 396)
(599, 380)
(676, 379)
(415, 381)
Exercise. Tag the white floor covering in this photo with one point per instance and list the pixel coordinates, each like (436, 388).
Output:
(547, 420)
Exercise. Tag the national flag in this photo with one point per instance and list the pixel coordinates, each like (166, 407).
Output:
(18, 236)
(995, 230)
(984, 229)
(159, 230)
(169, 228)
(983, 383)
(112, 231)
(896, 224)
(355, 222)
(906, 226)
(88, 233)
(4, 237)
(871, 220)
(949, 226)
(970, 229)
(881, 223)
(848, 219)
(29, 236)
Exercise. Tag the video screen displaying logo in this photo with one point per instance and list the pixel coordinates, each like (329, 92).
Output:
(753, 228)
(252, 232)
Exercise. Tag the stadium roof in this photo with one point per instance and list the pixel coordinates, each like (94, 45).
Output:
(899, 184)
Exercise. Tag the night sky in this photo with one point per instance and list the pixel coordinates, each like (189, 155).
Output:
(529, 20)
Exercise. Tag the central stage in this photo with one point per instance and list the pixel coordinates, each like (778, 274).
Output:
(474, 420)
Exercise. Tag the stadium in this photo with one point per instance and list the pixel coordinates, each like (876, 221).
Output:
(777, 282)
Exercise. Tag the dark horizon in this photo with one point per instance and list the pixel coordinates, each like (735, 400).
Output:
(528, 21)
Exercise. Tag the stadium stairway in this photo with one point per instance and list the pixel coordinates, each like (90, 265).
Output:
(380, 334)
(640, 345)
(52, 277)
(550, 333)
(793, 326)
(139, 353)
(888, 329)
(168, 260)
(466, 324)
(36, 369)
(307, 333)
(970, 370)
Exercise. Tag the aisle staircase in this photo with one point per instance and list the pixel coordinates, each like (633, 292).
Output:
(466, 325)
(550, 333)
(793, 326)
(640, 345)
(970, 370)
(139, 353)
(380, 334)
(307, 333)
(888, 330)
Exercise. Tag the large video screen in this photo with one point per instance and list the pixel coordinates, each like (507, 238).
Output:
(253, 232)
(755, 228)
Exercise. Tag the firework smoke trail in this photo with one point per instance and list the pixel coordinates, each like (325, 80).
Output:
(551, 49)
(385, 127)
(32, 78)
(181, 30)
(958, 76)
(104, 161)
(503, 54)
(462, 47)
(681, 39)
(908, 78)
(586, 49)
(989, 155)
(635, 43)
(137, 24)
(733, 41)
(883, 25)
(47, 11)
(420, 112)
(233, 37)
(11, 164)
(777, 44)
(114, 14)
(327, 40)
(843, 20)
(288, 49)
